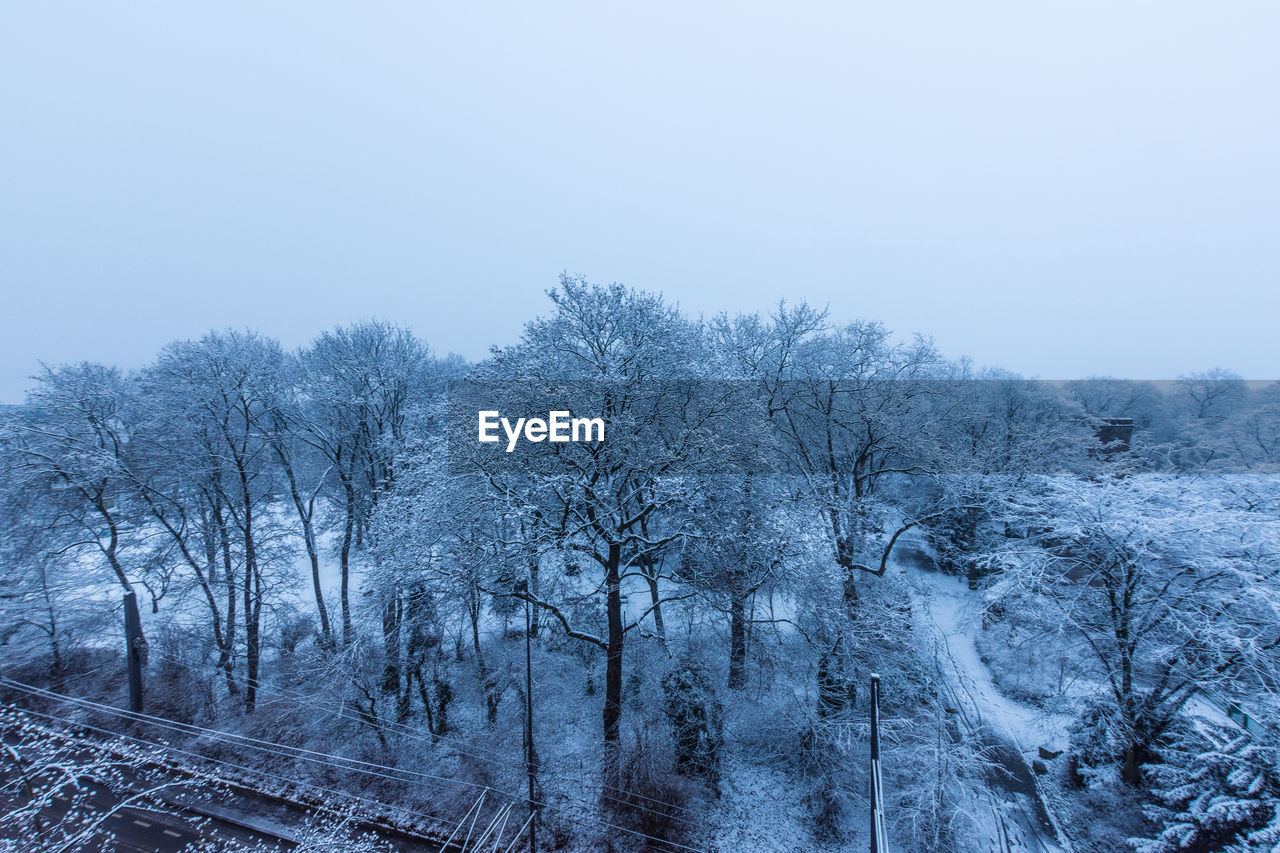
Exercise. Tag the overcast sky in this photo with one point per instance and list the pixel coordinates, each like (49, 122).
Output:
(1062, 189)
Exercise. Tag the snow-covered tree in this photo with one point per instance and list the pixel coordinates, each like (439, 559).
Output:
(849, 406)
(357, 385)
(738, 544)
(222, 391)
(71, 437)
(1169, 587)
(1216, 792)
(615, 352)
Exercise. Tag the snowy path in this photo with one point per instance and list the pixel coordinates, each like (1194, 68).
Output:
(955, 612)
(949, 611)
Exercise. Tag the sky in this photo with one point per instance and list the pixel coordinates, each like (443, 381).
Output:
(1063, 189)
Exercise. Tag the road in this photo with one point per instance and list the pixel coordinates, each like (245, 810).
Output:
(1019, 820)
(138, 829)
(184, 815)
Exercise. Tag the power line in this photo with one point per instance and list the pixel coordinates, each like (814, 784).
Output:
(404, 731)
(313, 786)
(650, 799)
(389, 725)
(613, 799)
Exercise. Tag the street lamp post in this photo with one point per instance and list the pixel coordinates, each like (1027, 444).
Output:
(530, 754)
(879, 841)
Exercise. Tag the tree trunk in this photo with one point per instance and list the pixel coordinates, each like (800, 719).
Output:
(613, 672)
(533, 587)
(655, 599)
(391, 644)
(473, 613)
(306, 512)
(349, 494)
(1131, 771)
(113, 542)
(313, 554)
(55, 648)
(325, 631)
(737, 642)
(226, 656)
(251, 642)
(651, 576)
(204, 574)
(252, 599)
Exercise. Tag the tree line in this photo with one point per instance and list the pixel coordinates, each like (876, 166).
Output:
(234, 484)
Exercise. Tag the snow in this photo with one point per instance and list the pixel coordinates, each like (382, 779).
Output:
(759, 810)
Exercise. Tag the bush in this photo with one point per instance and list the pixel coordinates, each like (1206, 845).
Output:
(652, 799)
(696, 720)
(1097, 742)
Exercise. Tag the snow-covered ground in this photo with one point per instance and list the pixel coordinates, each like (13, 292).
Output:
(758, 810)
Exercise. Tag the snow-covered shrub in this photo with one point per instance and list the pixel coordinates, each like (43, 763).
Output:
(294, 628)
(180, 692)
(825, 761)
(695, 715)
(1097, 741)
(837, 691)
(1165, 581)
(1101, 739)
(956, 541)
(931, 773)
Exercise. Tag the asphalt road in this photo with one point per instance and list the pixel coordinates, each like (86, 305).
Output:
(137, 829)
(189, 815)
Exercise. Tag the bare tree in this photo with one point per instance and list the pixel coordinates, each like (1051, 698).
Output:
(72, 438)
(603, 347)
(357, 386)
(737, 545)
(850, 406)
(224, 386)
(306, 470)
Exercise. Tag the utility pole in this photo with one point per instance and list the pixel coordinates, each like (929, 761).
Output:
(530, 754)
(135, 650)
(879, 841)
